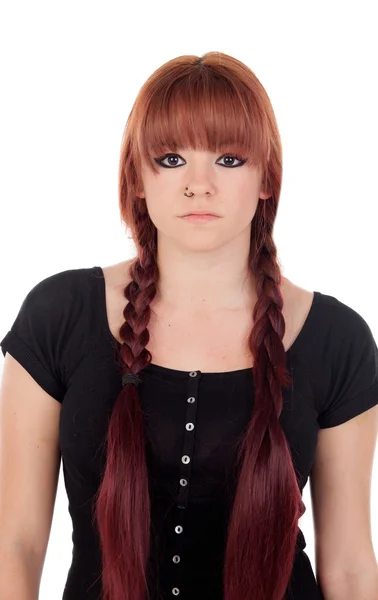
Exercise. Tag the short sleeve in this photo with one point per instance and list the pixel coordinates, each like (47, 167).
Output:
(37, 337)
(353, 371)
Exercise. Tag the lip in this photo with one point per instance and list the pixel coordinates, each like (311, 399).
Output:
(198, 218)
(201, 212)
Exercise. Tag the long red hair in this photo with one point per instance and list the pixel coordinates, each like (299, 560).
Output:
(212, 103)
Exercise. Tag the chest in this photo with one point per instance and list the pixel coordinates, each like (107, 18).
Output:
(211, 342)
(217, 342)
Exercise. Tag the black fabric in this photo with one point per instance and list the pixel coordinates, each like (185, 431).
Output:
(62, 338)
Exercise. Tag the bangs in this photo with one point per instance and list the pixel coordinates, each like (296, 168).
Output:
(203, 111)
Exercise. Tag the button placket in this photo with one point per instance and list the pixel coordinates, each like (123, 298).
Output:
(184, 477)
(188, 445)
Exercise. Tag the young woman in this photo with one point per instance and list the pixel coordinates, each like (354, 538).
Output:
(196, 389)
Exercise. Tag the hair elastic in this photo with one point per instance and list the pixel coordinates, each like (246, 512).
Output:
(131, 378)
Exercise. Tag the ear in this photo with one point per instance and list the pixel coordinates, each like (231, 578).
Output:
(264, 195)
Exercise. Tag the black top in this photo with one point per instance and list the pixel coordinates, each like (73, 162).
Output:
(61, 337)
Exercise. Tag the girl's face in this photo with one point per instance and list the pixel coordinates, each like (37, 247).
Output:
(222, 184)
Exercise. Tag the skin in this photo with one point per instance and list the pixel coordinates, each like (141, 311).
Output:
(203, 265)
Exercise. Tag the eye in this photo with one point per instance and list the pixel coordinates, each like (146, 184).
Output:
(161, 160)
(233, 157)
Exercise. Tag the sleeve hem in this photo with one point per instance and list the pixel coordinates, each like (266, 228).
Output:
(18, 349)
(350, 410)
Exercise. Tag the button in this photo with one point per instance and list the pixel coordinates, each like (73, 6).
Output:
(185, 459)
(176, 558)
(191, 399)
(175, 591)
(179, 529)
(193, 374)
(183, 482)
(189, 426)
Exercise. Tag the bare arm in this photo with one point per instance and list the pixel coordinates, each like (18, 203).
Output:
(29, 471)
(18, 578)
(340, 485)
(363, 586)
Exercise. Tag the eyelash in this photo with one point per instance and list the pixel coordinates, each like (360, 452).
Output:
(160, 161)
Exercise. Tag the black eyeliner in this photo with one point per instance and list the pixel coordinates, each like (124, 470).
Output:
(160, 159)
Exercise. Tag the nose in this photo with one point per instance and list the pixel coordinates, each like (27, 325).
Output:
(199, 188)
(199, 178)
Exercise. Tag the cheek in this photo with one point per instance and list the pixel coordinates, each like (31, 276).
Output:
(161, 213)
(244, 210)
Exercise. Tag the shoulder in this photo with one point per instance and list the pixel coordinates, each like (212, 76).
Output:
(334, 336)
(63, 281)
(54, 304)
(351, 347)
(54, 293)
(48, 332)
(59, 295)
(343, 322)
(331, 318)
(346, 362)
(297, 306)
(117, 276)
(339, 353)
(297, 299)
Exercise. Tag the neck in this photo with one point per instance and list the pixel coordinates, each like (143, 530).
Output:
(205, 282)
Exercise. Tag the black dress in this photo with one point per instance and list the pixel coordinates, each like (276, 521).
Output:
(193, 422)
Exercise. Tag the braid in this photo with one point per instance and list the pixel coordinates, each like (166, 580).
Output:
(126, 544)
(134, 333)
(264, 451)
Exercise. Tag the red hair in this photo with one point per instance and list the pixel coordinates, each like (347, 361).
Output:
(213, 103)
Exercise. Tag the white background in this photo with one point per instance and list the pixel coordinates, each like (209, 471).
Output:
(69, 75)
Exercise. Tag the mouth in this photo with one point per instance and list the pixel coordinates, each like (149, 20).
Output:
(200, 213)
(200, 217)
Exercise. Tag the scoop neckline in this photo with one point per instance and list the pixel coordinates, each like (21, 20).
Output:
(154, 368)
